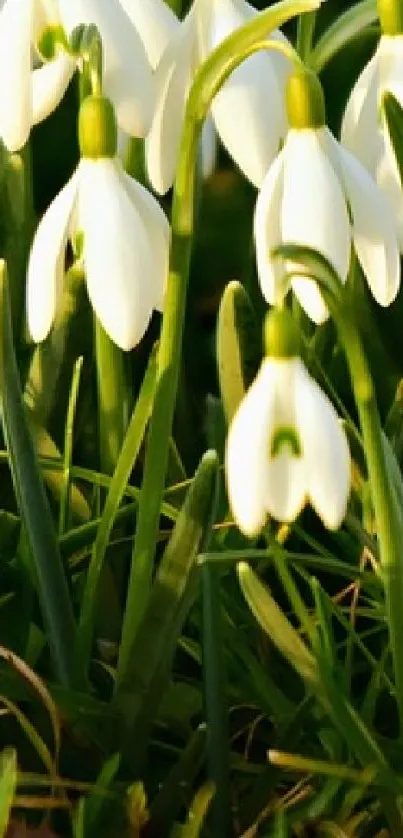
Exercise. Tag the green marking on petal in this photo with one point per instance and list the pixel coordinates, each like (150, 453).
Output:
(77, 244)
(285, 436)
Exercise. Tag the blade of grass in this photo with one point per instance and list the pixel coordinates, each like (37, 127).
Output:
(52, 584)
(137, 696)
(68, 446)
(8, 785)
(126, 461)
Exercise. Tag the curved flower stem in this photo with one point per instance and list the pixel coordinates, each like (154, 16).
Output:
(388, 520)
(347, 27)
(305, 32)
(208, 80)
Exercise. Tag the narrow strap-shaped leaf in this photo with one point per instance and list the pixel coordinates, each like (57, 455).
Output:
(8, 785)
(198, 811)
(271, 618)
(51, 580)
(117, 487)
(138, 696)
(238, 349)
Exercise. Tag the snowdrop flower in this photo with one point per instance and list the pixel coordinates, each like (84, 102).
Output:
(318, 195)
(26, 95)
(125, 238)
(134, 34)
(364, 130)
(248, 112)
(285, 444)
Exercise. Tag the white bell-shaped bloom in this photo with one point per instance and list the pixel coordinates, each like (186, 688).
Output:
(125, 251)
(127, 66)
(286, 447)
(248, 112)
(317, 194)
(27, 95)
(364, 131)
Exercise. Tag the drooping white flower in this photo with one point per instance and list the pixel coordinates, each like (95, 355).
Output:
(133, 35)
(27, 95)
(286, 447)
(318, 195)
(125, 244)
(364, 130)
(248, 112)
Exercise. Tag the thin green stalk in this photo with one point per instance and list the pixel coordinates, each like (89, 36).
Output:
(208, 80)
(388, 516)
(112, 398)
(18, 224)
(297, 603)
(68, 446)
(348, 26)
(216, 707)
(305, 33)
(124, 466)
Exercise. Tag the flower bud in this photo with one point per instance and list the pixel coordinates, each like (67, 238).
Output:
(281, 337)
(391, 16)
(305, 102)
(97, 129)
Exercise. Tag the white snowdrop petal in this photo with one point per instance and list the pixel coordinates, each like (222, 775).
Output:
(246, 450)
(360, 128)
(390, 52)
(310, 298)
(117, 257)
(155, 23)
(250, 130)
(374, 230)
(314, 211)
(128, 79)
(49, 84)
(266, 229)
(325, 451)
(46, 261)
(172, 83)
(285, 486)
(388, 179)
(16, 22)
(157, 228)
(285, 493)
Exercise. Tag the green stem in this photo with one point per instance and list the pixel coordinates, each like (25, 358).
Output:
(124, 466)
(112, 399)
(305, 32)
(18, 226)
(208, 80)
(388, 519)
(217, 746)
(348, 26)
(297, 603)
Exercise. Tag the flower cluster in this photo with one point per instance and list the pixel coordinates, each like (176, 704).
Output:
(136, 61)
